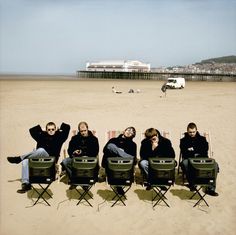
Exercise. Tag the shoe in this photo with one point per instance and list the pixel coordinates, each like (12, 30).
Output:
(120, 191)
(212, 193)
(85, 188)
(72, 187)
(191, 187)
(163, 188)
(62, 173)
(24, 188)
(149, 187)
(15, 160)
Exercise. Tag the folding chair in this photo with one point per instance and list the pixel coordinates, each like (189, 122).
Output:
(120, 173)
(207, 135)
(42, 172)
(64, 153)
(165, 134)
(161, 175)
(203, 175)
(85, 175)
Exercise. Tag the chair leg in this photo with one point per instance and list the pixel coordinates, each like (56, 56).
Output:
(161, 195)
(40, 195)
(119, 197)
(83, 195)
(197, 191)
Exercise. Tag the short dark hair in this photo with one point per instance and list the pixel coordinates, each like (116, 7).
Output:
(133, 129)
(192, 125)
(150, 132)
(83, 123)
(50, 124)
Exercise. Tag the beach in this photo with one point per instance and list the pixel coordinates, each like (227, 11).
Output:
(26, 103)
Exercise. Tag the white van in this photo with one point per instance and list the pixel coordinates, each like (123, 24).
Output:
(175, 83)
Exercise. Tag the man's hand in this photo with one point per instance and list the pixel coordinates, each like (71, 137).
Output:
(77, 152)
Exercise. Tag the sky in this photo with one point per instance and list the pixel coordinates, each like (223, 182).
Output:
(60, 36)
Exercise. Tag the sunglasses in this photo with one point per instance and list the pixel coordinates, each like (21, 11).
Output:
(51, 129)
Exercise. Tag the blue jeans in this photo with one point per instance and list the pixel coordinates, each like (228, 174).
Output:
(40, 152)
(67, 164)
(114, 150)
(143, 164)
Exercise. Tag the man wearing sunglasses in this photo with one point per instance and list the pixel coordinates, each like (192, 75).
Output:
(49, 143)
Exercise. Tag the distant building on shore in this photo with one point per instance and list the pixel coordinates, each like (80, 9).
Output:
(118, 66)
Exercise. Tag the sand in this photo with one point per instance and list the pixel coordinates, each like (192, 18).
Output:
(25, 103)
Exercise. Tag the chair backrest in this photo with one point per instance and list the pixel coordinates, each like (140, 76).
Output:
(112, 134)
(202, 170)
(161, 171)
(207, 135)
(120, 171)
(84, 170)
(42, 170)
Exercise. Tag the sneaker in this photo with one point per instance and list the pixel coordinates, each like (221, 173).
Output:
(149, 187)
(212, 193)
(62, 174)
(15, 160)
(163, 188)
(72, 187)
(85, 188)
(120, 191)
(191, 187)
(24, 188)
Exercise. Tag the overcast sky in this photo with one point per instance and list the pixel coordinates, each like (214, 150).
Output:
(60, 36)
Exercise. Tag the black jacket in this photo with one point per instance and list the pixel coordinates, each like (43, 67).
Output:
(163, 150)
(126, 144)
(198, 143)
(89, 145)
(51, 143)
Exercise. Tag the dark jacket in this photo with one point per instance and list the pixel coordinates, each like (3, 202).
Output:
(89, 145)
(128, 145)
(198, 143)
(51, 143)
(163, 150)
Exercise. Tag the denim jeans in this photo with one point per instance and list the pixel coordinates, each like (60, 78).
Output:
(114, 150)
(143, 164)
(40, 152)
(67, 164)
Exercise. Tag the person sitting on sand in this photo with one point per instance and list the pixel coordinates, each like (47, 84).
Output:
(115, 91)
(49, 143)
(82, 144)
(194, 145)
(154, 145)
(121, 146)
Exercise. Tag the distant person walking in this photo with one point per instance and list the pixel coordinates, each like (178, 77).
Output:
(164, 88)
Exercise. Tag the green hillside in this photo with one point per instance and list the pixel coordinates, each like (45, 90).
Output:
(223, 59)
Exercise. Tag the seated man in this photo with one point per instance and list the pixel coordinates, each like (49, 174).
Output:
(194, 145)
(49, 143)
(121, 146)
(154, 145)
(82, 144)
